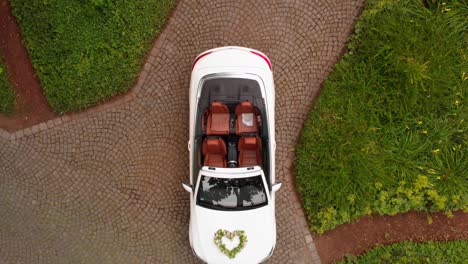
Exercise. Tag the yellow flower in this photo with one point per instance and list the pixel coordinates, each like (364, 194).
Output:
(420, 122)
(422, 182)
(367, 210)
(433, 194)
(457, 102)
(436, 151)
(449, 214)
(351, 198)
(423, 131)
(429, 219)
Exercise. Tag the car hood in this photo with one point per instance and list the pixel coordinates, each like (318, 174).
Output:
(258, 225)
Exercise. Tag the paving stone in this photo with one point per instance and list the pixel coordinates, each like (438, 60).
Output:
(35, 129)
(26, 131)
(50, 124)
(19, 133)
(57, 121)
(104, 186)
(4, 134)
(43, 126)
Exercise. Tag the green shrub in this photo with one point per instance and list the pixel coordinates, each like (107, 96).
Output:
(414, 253)
(388, 132)
(421, 195)
(7, 95)
(85, 51)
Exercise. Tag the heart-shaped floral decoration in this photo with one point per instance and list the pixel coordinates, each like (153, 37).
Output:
(230, 235)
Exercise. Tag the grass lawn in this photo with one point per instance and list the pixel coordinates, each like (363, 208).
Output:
(85, 51)
(389, 131)
(7, 95)
(411, 252)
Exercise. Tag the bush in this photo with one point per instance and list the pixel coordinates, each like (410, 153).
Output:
(388, 132)
(85, 51)
(411, 252)
(7, 96)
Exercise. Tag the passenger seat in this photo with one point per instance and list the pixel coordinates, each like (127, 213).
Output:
(250, 151)
(214, 152)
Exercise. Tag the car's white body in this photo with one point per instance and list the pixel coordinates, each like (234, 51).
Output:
(259, 224)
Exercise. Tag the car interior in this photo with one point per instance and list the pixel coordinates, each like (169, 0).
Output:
(231, 130)
(238, 131)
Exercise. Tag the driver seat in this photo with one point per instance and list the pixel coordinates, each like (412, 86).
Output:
(214, 151)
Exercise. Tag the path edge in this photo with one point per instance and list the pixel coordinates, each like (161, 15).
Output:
(112, 101)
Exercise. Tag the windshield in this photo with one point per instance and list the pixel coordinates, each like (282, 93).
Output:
(231, 194)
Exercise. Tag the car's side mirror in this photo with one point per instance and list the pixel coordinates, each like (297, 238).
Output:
(187, 187)
(276, 187)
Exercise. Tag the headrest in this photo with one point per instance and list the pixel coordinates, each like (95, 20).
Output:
(249, 142)
(218, 107)
(244, 107)
(214, 145)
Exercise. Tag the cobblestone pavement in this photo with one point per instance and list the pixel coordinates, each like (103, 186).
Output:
(105, 185)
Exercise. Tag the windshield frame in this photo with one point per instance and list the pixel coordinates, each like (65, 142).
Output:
(237, 176)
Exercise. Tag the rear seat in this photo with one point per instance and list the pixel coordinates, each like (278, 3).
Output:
(218, 120)
(246, 118)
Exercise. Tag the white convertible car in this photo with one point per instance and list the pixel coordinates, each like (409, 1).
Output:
(232, 156)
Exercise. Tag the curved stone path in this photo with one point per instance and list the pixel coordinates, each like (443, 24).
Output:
(105, 185)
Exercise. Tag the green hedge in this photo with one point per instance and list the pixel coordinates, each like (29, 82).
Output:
(413, 253)
(389, 131)
(7, 95)
(87, 50)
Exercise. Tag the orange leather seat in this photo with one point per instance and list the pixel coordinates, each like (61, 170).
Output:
(250, 151)
(246, 118)
(218, 119)
(214, 151)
